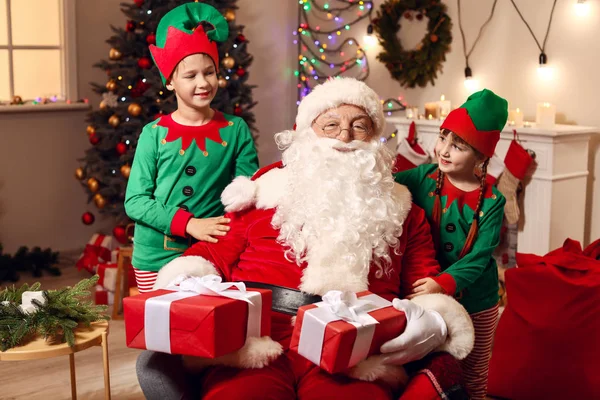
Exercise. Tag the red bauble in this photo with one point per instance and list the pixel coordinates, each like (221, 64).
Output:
(138, 3)
(88, 218)
(94, 139)
(144, 63)
(237, 110)
(151, 38)
(121, 148)
(120, 234)
(240, 72)
(130, 26)
(157, 116)
(241, 38)
(139, 88)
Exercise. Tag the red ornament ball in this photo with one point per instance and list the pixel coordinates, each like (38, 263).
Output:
(151, 38)
(158, 115)
(144, 63)
(120, 234)
(240, 72)
(88, 218)
(138, 3)
(238, 110)
(241, 38)
(130, 26)
(94, 139)
(121, 148)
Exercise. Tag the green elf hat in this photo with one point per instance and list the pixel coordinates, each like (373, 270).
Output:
(479, 121)
(180, 34)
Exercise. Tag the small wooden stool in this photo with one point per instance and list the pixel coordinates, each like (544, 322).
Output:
(122, 284)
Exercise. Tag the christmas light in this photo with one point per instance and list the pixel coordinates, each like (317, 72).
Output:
(545, 72)
(582, 8)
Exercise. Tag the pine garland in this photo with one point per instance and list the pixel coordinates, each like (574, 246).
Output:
(64, 310)
(35, 261)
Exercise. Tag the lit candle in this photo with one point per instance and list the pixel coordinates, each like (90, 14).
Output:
(444, 106)
(545, 115)
(412, 112)
(515, 118)
(432, 110)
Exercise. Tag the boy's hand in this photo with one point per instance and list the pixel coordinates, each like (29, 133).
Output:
(206, 228)
(425, 286)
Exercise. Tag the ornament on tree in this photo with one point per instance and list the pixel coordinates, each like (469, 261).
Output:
(139, 3)
(158, 115)
(90, 129)
(240, 72)
(229, 15)
(139, 88)
(144, 62)
(130, 26)
(222, 82)
(237, 110)
(228, 62)
(79, 173)
(17, 100)
(125, 171)
(114, 120)
(433, 38)
(151, 38)
(111, 85)
(109, 99)
(94, 139)
(134, 109)
(87, 218)
(121, 148)
(93, 185)
(114, 54)
(99, 200)
(120, 233)
(240, 38)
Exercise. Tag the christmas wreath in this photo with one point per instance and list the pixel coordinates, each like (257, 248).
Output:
(419, 66)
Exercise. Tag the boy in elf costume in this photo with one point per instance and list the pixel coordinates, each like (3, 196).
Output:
(465, 212)
(184, 160)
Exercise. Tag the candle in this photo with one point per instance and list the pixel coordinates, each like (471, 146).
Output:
(444, 106)
(412, 112)
(515, 118)
(432, 110)
(545, 115)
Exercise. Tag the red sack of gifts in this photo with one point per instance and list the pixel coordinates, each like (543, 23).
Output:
(344, 329)
(181, 320)
(547, 344)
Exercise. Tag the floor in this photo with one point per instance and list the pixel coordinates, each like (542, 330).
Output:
(49, 378)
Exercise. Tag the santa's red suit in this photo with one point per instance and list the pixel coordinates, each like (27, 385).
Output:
(250, 252)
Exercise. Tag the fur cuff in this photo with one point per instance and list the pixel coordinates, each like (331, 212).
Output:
(461, 334)
(374, 368)
(188, 265)
(256, 353)
(239, 195)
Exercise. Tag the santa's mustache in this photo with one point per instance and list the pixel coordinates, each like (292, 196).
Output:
(344, 147)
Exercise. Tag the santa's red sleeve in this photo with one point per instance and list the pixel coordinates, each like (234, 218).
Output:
(418, 259)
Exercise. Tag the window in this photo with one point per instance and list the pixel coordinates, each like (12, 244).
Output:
(37, 44)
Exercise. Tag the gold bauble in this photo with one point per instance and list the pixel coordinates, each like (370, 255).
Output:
(17, 100)
(114, 54)
(103, 105)
(93, 185)
(125, 171)
(90, 130)
(111, 85)
(134, 109)
(228, 62)
(79, 173)
(114, 120)
(222, 82)
(229, 15)
(99, 200)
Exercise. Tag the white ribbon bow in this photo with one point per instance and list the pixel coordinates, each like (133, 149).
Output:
(210, 285)
(347, 306)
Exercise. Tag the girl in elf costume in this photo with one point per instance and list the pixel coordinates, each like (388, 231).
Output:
(184, 160)
(465, 212)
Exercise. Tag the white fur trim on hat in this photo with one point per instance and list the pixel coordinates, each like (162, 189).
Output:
(335, 92)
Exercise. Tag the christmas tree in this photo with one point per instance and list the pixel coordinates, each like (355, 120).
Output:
(134, 95)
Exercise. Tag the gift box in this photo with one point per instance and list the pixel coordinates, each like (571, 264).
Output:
(107, 276)
(344, 329)
(99, 249)
(103, 296)
(189, 319)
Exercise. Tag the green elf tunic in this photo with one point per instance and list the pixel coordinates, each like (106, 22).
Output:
(178, 173)
(473, 279)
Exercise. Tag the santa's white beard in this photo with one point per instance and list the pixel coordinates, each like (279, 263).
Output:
(338, 213)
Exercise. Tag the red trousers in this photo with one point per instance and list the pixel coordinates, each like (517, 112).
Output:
(293, 377)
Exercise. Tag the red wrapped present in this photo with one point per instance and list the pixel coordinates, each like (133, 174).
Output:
(103, 296)
(197, 316)
(96, 251)
(107, 276)
(345, 328)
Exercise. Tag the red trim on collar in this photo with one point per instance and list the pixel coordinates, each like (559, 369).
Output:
(463, 198)
(199, 133)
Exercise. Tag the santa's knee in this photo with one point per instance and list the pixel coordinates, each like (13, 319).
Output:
(162, 376)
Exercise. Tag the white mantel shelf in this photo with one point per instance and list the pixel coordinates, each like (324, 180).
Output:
(554, 202)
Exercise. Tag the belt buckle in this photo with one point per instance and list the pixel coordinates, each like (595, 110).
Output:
(167, 239)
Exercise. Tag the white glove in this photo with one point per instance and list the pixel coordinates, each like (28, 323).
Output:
(425, 331)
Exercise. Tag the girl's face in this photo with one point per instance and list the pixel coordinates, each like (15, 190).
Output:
(194, 81)
(455, 156)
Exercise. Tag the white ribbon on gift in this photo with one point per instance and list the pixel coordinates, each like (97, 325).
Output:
(157, 309)
(337, 306)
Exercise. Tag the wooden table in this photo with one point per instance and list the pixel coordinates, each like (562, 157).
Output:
(96, 335)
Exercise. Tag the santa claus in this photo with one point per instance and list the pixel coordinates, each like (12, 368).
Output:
(328, 217)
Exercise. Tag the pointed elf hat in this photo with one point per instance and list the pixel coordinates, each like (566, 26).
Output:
(180, 34)
(479, 121)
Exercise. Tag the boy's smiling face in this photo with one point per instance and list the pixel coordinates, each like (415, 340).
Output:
(194, 81)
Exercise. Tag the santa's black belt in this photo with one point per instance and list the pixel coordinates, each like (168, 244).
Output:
(285, 300)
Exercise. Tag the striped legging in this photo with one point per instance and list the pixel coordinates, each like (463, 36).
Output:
(144, 279)
(476, 365)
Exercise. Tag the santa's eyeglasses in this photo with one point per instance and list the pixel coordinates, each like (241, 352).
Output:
(334, 129)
